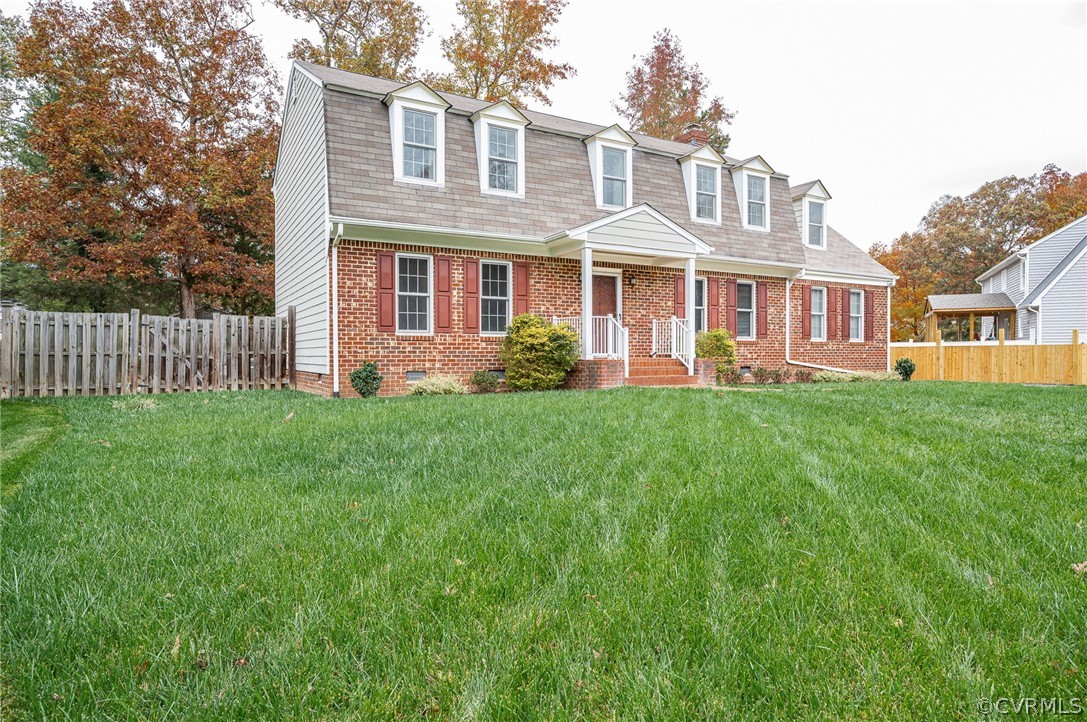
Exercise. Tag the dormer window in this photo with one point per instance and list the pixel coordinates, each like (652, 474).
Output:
(611, 153)
(752, 181)
(756, 201)
(417, 123)
(706, 192)
(615, 177)
(500, 148)
(420, 145)
(816, 224)
(702, 178)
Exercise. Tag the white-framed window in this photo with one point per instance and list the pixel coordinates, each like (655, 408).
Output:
(699, 305)
(502, 158)
(495, 296)
(420, 145)
(614, 176)
(756, 201)
(817, 224)
(745, 310)
(856, 315)
(818, 314)
(706, 202)
(414, 293)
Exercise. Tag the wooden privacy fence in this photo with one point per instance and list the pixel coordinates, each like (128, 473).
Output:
(1016, 362)
(85, 354)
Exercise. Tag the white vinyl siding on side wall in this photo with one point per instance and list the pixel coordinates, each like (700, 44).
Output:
(301, 223)
(1064, 305)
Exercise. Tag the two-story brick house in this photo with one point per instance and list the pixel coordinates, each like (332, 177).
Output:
(411, 226)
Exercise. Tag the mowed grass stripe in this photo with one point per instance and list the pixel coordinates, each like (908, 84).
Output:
(818, 552)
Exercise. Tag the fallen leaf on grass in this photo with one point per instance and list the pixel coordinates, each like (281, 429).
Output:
(898, 623)
(352, 505)
(992, 582)
(1080, 568)
(142, 667)
(101, 442)
(177, 647)
(241, 662)
(201, 663)
(289, 417)
(458, 562)
(57, 697)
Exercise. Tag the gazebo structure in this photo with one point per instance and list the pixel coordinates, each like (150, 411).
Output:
(969, 307)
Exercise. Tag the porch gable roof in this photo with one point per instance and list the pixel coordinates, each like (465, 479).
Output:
(638, 230)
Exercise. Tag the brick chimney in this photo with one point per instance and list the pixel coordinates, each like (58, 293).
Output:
(693, 134)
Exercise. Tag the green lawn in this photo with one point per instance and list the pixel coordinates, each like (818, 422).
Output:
(876, 551)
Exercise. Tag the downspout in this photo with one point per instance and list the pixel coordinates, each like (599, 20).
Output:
(788, 335)
(336, 311)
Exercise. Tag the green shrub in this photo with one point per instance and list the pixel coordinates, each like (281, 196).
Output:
(484, 382)
(366, 380)
(780, 376)
(717, 345)
(537, 354)
(762, 375)
(803, 376)
(825, 377)
(731, 376)
(437, 386)
(905, 367)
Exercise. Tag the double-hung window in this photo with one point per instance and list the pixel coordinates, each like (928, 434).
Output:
(413, 294)
(494, 297)
(756, 201)
(745, 310)
(706, 192)
(856, 315)
(615, 177)
(420, 145)
(816, 224)
(699, 305)
(501, 159)
(819, 314)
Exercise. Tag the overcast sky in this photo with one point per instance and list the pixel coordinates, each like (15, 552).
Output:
(891, 104)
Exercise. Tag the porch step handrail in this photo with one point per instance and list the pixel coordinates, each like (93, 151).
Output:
(671, 338)
(610, 338)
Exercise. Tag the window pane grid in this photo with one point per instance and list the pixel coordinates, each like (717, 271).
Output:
(502, 161)
(420, 146)
(413, 294)
(699, 305)
(818, 314)
(745, 310)
(856, 316)
(615, 177)
(494, 297)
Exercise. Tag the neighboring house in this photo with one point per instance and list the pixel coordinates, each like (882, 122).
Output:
(1037, 294)
(411, 226)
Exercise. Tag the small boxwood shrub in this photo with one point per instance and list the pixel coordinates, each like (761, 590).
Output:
(802, 376)
(484, 382)
(780, 376)
(717, 345)
(537, 354)
(730, 376)
(366, 380)
(762, 375)
(437, 386)
(905, 367)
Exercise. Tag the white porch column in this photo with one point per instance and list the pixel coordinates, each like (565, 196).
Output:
(586, 303)
(689, 310)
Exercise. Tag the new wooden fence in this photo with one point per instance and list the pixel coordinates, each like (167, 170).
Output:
(1015, 362)
(85, 354)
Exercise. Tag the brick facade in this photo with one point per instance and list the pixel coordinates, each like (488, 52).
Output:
(556, 291)
(597, 373)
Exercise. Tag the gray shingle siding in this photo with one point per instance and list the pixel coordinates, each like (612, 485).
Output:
(301, 269)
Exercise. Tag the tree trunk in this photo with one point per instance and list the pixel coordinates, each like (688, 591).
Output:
(188, 301)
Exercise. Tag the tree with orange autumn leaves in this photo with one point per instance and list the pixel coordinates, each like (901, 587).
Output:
(157, 140)
(665, 94)
(960, 237)
(497, 53)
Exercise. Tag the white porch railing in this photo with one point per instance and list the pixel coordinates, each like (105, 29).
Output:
(610, 339)
(671, 337)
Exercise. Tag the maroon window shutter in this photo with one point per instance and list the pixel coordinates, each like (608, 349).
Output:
(713, 302)
(730, 305)
(521, 288)
(761, 310)
(386, 291)
(869, 316)
(845, 315)
(680, 306)
(805, 312)
(471, 295)
(443, 294)
(832, 315)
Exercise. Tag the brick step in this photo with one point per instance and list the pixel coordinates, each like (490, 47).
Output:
(658, 370)
(670, 380)
(671, 363)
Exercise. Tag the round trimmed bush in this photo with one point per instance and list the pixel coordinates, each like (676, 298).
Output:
(366, 380)
(537, 354)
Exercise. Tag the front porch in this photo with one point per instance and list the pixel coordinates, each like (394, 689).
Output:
(654, 344)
